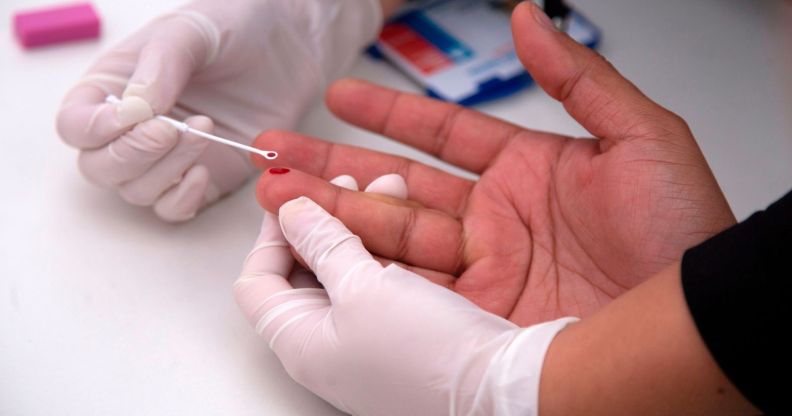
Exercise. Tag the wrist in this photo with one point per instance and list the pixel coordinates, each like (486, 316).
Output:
(510, 382)
(638, 354)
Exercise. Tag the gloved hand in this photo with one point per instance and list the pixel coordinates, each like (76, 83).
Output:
(383, 340)
(249, 65)
(392, 186)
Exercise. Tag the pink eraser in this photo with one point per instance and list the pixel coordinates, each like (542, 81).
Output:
(56, 24)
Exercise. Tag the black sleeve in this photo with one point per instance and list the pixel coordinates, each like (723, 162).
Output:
(737, 286)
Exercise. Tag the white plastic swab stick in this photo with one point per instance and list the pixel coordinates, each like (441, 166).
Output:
(184, 128)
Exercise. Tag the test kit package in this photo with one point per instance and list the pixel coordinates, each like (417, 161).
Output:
(462, 50)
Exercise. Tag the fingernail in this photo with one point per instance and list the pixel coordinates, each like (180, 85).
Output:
(278, 171)
(391, 184)
(541, 17)
(289, 210)
(132, 110)
(345, 181)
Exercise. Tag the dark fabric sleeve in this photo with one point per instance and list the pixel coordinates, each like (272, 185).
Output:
(737, 287)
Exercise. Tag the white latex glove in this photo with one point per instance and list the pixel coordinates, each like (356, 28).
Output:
(271, 238)
(383, 340)
(249, 65)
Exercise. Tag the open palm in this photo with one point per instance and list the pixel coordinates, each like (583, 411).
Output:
(555, 226)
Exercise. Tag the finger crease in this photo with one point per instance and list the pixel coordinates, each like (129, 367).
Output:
(330, 153)
(403, 245)
(337, 190)
(386, 123)
(463, 201)
(505, 143)
(443, 132)
(571, 83)
(459, 264)
(404, 168)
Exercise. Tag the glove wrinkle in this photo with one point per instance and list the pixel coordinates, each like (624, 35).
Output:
(207, 30)
(248, 65)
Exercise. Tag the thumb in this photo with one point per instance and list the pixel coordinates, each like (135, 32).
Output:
(181, 44)
(605, 103)
(324, 243)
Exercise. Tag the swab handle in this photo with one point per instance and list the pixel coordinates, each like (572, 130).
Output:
(184, 127)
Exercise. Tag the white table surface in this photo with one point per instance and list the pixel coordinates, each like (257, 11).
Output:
(104, 310)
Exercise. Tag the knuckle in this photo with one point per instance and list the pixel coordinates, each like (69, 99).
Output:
(663, 125)
(270, 137)
(445, 128)
(584, 69)
(298, 372)
(63, 127)
(71, 128)
(601, 62)
(153, 136)
(676, 122)
(137, 197)
(173, 214)
(90, 171)
(407, 229)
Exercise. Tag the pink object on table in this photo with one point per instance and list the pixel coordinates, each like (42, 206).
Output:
(56, 24)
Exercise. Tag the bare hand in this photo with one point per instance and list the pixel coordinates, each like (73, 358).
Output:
(556, 225)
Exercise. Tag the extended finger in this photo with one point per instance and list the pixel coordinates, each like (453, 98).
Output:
(386, 185)
(462, 137)
(419, 236)
(325, 244)
(609, 106)
(429, 186)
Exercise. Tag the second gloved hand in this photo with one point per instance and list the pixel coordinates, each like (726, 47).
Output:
(247, 65)
(383, 340)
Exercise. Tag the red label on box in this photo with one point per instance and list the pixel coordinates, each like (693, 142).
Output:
(414, 48)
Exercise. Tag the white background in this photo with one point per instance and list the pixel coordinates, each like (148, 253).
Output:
(104, 310)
